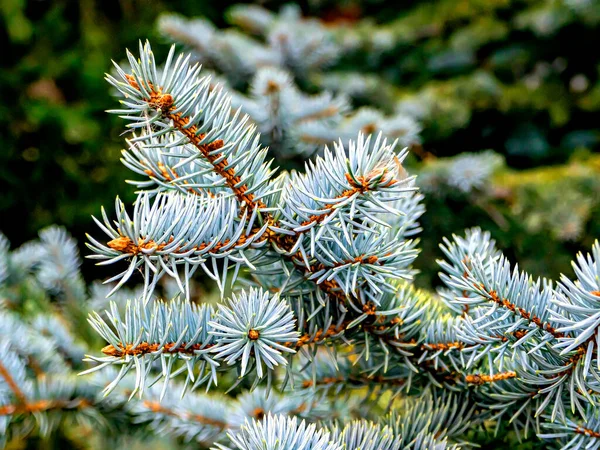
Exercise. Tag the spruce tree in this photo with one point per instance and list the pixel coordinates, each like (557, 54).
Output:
(316, 337)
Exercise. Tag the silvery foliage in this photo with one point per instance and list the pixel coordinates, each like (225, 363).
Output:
(546, 333)
(39, 356)
(15, 367)
(305, 230)
(53, 262)
(4, 249)
(291, 122)
(280, 50)
(286, 40)
(271, 319)
(460, 175)
(279, 433)
(38, 390)
(397, 126)
(37, 353)
(326, 255)
(356, 85)
(416, 428)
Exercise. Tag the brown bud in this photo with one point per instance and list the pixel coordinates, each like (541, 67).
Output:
(123, 244)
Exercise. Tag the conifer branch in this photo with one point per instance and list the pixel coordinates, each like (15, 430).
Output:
(12, 384)
(330, 251)
(157, 407)
(479, 379)
(40, 406)
(164, 102)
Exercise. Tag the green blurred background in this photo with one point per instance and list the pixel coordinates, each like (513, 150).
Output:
(60, 150)
(518, 77)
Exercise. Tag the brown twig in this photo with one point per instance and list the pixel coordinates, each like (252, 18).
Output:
(479, 379)
(587, 432)
(523, 313)
(43, 405)
(144, 348)
(165, 103)
(12, 384)
(157, 407)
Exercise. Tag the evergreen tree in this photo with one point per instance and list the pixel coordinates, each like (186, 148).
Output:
(315, 336)
(320, 312)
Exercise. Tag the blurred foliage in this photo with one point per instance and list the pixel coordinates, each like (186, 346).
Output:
(500, 74)
(44, 306)
(540, 216)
